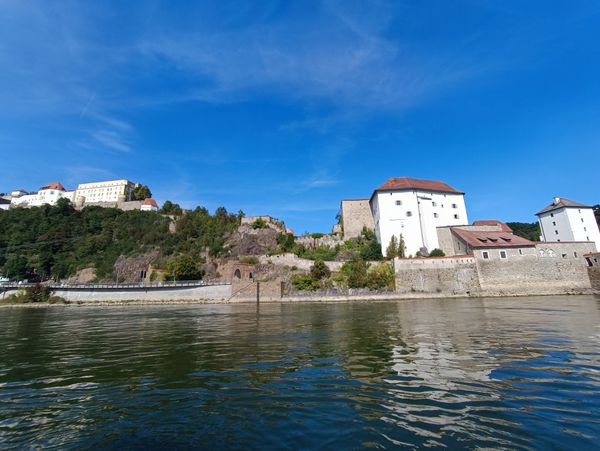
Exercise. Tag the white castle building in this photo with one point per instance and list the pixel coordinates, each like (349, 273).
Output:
(47, 194)
(566, 220)
(415, 209)
(110, 193)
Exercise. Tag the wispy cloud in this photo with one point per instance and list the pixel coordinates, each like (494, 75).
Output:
(112, 140)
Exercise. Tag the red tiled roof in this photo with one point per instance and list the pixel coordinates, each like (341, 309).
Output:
(491, 239)
(53, 185)
(149, 201)
(493, 222)
(399, 183)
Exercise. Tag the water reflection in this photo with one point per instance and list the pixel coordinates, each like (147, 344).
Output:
(501, 373)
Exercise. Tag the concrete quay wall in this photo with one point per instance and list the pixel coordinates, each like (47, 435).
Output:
(207, 292)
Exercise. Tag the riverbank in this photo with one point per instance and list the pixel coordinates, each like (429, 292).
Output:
(391, 297)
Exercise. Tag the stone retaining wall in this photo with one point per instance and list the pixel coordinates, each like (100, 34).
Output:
(209, 292)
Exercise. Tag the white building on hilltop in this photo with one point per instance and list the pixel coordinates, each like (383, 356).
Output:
(108, 191)
(48, 194)
(414, 209)
(566, 220)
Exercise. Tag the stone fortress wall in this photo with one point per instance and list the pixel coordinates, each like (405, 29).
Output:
(560, 269)
(356, 214)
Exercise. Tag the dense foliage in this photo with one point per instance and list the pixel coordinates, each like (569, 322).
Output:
(530, 231)
(141, 192)
(55, 241)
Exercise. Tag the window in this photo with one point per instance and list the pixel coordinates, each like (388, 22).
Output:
(556, 232)
(486, 255)
(553, 223)
(581, 219)
(520, 251)
(502, 254)
(564, 255)
(398, 202)
(434, 204)
(585, 229)
(409, 213)
(551, 215)
(455, 216)
(575, 254)
(587, 238)
(454, 206)
(435, 215)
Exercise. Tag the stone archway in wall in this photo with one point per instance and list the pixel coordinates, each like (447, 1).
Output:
(237, 274)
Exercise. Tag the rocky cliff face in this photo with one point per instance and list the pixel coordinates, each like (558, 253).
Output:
(249, 241)
(129, 269)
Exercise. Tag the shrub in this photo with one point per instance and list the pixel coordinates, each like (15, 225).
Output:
(437, 253)
(355, 272)
(304, 282)
(183, 267)
(320, 270)
(249, 259)
(286, 242)
(259, 223)
(380, 277)
(316, 236)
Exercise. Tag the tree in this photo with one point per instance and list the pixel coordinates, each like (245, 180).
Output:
(392, 249)
(320, 270)
(529, 231)
(141, 192)
(169, 208)
(355, 273)
(183, 267)
(401, 247)
(437, 253)
(286, 242)
(260, 223)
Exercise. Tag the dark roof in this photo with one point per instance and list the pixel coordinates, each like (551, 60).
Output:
(482, 240)
(493, 222)
(407, 183)
(561, 202)
(4, 201)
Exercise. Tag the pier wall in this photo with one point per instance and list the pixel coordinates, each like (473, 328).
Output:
(208, 292)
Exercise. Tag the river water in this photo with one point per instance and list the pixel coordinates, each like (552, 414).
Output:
(519, 373)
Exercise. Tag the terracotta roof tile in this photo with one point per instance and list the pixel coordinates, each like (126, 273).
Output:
(479, 240)
(403, 183)
(493, 222)
(149, 201)
(53, 185)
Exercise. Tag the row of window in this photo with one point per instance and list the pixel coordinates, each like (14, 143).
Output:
(399, 202)
(435, 215)
(486, 254)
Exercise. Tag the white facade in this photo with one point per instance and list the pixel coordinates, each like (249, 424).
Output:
(569, 221)
(42, 197)
(109, 191)
(415, 214)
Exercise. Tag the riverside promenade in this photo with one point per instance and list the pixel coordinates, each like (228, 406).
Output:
(167, 291)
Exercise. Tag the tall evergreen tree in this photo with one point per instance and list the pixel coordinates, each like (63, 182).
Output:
(392, 249)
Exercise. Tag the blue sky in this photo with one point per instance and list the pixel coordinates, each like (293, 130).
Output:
(286, 107)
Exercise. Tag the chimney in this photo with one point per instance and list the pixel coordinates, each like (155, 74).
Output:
(556, 200)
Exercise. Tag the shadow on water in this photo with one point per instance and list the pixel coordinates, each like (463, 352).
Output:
(477, 373)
